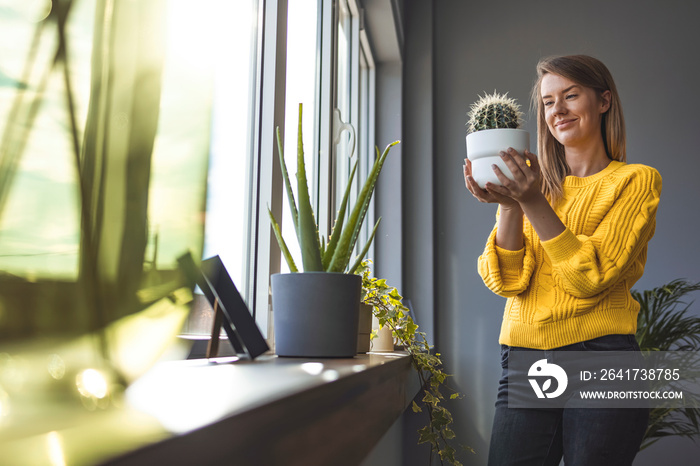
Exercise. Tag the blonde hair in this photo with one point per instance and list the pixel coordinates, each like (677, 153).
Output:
(587, 72)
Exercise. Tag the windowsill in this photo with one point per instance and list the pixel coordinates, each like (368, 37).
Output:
(271, 411)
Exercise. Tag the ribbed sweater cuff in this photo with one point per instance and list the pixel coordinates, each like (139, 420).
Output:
(508, 259)
(562, 247)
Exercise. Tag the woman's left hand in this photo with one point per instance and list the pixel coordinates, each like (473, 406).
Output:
(525, 185)
(483, 195)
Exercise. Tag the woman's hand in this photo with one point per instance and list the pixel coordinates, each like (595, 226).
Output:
(525, 185)
(525, 189)
(510, 221)
(486, 195)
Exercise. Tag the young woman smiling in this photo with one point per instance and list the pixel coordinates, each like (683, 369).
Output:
(570, 241)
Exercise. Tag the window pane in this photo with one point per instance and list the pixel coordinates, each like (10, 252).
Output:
(105, 144)
(302, 72)
(343, 94)
(39, 212)
(365, 150)
(230, 34)
(228, 196)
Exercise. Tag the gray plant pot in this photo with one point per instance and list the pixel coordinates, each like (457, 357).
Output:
(316, 314)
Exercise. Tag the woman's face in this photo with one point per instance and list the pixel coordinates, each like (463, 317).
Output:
(572, 112)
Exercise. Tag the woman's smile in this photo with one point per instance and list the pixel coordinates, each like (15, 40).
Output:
(564, 124)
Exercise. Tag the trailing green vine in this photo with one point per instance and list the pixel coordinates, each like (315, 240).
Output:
(389, 310)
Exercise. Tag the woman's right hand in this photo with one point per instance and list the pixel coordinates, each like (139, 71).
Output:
(510, 221)
(486, 195)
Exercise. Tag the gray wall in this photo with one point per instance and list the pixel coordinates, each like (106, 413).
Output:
(387, 198)
(456, 49)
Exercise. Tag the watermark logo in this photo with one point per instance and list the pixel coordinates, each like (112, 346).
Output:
(604, 379)
(542, 369)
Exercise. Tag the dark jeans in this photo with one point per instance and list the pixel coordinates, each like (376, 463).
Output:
(582, 436)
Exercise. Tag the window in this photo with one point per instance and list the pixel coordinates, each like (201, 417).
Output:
(354, 101)
(199, 125)
(302, 82)
(104, 158)
(343, 98)
(228, 221)
(366, 144)
(324, 48)
(226, 43)
(328, 71)
(39, 216)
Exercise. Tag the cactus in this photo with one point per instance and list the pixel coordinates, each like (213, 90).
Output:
(494, 111)
(317, 255)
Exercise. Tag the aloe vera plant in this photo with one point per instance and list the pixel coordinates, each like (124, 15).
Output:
(317, 254)
(494, 111)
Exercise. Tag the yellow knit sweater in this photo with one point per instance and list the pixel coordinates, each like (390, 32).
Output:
(576, 286)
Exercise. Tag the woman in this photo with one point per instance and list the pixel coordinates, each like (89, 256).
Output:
(569, 243)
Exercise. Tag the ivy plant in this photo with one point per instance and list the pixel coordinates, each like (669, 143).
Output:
(389, 310)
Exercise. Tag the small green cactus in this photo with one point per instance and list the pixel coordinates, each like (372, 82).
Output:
(494, 111)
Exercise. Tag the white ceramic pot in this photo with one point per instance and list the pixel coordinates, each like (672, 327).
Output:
(483, 149)
(384, 342)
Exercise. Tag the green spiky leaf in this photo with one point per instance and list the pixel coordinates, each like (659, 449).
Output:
(343, 251)
(339, 221)
(363, 253)
(316, 253)
(283, 245)
(287, 184)
(307, 227)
